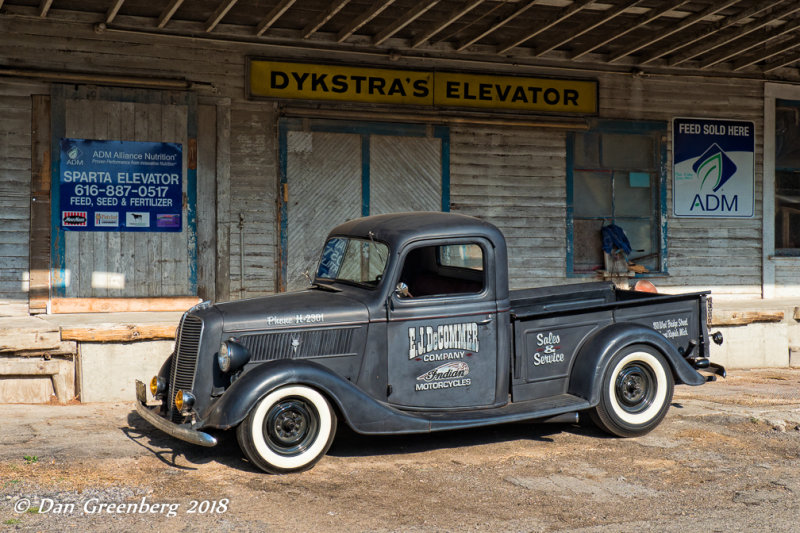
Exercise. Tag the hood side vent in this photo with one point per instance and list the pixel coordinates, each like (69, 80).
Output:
(300, 344)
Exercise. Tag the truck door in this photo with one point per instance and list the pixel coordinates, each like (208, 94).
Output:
(442, 331)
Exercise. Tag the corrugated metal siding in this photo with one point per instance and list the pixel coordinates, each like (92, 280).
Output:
(324, 177)
(15, 179)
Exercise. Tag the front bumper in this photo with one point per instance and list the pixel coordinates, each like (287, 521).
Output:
(168, 427)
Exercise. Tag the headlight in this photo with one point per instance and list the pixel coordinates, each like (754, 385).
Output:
(232, 356)
(183, 400)
(157, 386)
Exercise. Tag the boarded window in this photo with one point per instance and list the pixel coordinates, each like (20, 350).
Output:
(616, 177)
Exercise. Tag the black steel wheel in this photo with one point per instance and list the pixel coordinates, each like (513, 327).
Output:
(288, 430)
(636, 392)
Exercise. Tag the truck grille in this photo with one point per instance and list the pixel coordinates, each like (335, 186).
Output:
(185, 361)
(300, 344)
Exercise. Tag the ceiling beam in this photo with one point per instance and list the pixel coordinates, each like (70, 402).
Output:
(44, 7)
(570, 34)
(670, 30)
(433, 30)
(768, 52)
(519, 11)
(677, 44)
(737, 33)
(545, 25)
(762, 38)
(377, 8)
(111, 14)
(273, 16)
(403, 21)
(644, 20)
(168, 12)
(781, 62)
(324, 17)
(219, 14)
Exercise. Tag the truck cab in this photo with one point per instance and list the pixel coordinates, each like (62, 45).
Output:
(409, 327)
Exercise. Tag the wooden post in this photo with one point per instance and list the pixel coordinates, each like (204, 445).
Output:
(39, 249)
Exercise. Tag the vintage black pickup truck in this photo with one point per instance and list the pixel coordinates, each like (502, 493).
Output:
(409, 327)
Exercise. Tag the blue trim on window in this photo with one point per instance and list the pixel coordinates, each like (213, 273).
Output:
(443, 132)
(645, 127)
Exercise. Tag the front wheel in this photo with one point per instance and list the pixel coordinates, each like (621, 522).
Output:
(288, 430)
(636, 392)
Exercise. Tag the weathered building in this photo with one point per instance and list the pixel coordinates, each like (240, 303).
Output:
(549, 118)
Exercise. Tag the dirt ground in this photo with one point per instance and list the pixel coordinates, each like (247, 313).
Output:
(726, 458)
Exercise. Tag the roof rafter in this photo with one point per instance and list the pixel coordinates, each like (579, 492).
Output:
(377, 8)
(403, 21)
(677, 44)
(168, 12)
(111, 14)
(519, 11)
(424, 36)
(687, 22)
(324, 17)
(766, 53)
(638, 23)
(44, 7)
(569, 35)
(273, 16)
(737, 33)
(749, 44)
(219, 14)
(562, 15)
(781, 62)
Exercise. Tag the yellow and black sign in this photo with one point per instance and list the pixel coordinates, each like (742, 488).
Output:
(407, 87)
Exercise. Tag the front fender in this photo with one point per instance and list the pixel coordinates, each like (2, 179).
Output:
(361, 412)
(597, 351)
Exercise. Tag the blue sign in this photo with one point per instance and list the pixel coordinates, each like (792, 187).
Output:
(120, 186)
(713, 168)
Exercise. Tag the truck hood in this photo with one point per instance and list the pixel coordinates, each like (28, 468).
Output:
(308, 308)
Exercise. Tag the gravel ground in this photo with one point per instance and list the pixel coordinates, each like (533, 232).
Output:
(725, 459)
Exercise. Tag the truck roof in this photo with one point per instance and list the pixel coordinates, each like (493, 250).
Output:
(397, 228)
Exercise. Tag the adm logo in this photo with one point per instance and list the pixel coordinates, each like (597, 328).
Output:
(714, 169)
(74, 156)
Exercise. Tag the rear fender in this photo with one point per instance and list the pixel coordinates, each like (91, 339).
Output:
(597, 351)
(361, 412)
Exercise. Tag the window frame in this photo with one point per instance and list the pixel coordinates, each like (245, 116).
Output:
(780, 252)
(659, 131)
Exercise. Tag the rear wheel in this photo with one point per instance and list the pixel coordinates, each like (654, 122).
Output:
(288, 430)
(636, 392)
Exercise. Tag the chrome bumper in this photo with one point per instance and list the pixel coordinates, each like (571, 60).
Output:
(168, 427)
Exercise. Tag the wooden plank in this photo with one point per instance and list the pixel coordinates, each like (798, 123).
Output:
(126, 240)
(741, 318)
(126, 333)
(223, 160)
(39, 259)
(206, 200)
(121, 305)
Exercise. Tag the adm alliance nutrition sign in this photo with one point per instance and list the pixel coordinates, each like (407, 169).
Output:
(420, 88)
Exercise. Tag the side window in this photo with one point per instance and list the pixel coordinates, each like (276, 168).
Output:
(444, 270)
(787, 177)
(616, 176)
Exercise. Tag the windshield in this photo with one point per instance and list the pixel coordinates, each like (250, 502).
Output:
(353, 260)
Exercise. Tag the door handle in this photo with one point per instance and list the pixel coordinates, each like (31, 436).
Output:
(485, 322)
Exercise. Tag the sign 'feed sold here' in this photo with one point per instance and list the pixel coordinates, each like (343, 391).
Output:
(421, 88)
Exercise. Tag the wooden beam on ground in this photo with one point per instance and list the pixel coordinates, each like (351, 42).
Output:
(644, 20)
(323, 18)
(545, 25)
(413, 14)
(219, 14)
(273, 16)
(519, 11)
(120, 305)
(677, 44)
(741, 31)
(377, 8)
(124, 333)
(170, 10)
(56, 370)
(767, 53)
(671, 30)
(111, 14)
(567, 36)
(742, 318)
(433, 30)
